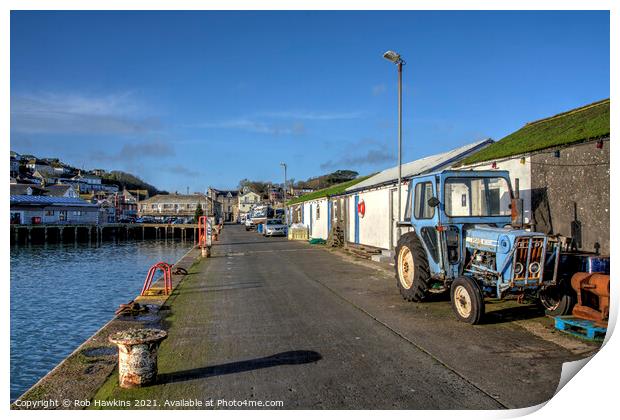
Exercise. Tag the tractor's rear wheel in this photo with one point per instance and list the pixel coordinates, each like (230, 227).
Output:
(467, 301)
(412, 272)
(556, 300)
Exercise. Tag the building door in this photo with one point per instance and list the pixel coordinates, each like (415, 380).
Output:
(356, 231)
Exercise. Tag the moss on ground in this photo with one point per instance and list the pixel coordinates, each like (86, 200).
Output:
(176, 354)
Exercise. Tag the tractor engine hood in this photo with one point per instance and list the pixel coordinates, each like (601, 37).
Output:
(493, 239)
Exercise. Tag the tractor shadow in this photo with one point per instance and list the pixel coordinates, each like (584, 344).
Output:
(296, 357)
(519, 312)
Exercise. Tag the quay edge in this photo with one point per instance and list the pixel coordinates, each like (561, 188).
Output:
(81, 373)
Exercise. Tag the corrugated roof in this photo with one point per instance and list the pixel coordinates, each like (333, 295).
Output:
(421, 166)
(46, 200)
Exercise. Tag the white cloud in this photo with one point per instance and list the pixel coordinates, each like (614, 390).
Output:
(53, 113)
(256, 126)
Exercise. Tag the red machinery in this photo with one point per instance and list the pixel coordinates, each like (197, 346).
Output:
(592, 296)
(167, 270)
(202, 231)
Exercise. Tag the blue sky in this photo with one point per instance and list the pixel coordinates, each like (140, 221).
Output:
(192, 99)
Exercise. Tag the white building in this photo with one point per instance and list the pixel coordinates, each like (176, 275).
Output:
(372, 205)
(320, 209)
(247, 200)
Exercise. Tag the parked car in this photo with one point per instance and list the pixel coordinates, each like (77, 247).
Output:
(274, 227)
(145, 219)
(249, 225)
(127, 219)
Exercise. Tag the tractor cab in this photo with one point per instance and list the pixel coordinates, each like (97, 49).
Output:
(462, 237)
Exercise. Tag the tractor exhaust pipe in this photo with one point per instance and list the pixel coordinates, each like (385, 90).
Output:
(516, 208)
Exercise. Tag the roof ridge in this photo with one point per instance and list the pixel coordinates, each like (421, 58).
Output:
(569, 112)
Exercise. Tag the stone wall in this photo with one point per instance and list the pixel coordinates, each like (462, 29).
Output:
(570, 195)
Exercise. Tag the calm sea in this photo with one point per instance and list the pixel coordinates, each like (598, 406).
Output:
(62, 294)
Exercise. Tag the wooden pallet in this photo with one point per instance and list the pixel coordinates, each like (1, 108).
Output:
(579, 327)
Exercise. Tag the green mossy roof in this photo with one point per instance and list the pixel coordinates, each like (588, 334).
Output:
(333, 190)
(574, 126)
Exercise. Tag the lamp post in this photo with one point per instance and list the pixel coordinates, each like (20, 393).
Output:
(285, 206)
(397, 59)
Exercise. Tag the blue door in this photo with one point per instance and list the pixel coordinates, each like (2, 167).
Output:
(425, 219)
(357, 219)
(329, 215)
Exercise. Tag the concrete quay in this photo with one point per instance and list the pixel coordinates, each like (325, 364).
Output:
(290, 325)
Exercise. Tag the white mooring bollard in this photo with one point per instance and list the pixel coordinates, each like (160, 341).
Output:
(137, 356)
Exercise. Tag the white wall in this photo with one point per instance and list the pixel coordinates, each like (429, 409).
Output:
(519, 170)
(375, 226)
(319, 226)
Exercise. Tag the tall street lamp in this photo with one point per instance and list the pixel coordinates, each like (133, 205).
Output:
(285, 206)
(397, 59)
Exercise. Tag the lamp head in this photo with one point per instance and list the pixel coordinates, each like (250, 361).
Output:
(392, 56)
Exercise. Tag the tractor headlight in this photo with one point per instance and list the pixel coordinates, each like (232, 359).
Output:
(518, 269)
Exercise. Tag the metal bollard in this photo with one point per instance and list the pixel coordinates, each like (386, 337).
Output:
(137, 355)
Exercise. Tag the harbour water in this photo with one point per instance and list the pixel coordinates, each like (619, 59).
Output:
(62, 294)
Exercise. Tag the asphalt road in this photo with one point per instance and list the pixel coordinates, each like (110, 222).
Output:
(271, 319)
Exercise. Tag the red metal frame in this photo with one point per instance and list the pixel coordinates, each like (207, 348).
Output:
(202, 231)
(166, 269)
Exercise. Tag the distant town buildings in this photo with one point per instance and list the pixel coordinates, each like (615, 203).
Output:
(37, 209)
(45, 190)
(174, 205)
(228, 201)
(247, 200)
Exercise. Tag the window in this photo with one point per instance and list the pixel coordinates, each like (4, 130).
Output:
(77, 213)
(153, 206)
(318, 212)
(62, 216)
(423, 192)
(477, 197)
(49, 212)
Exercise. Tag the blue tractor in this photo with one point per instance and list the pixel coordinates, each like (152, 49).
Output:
(462, 237)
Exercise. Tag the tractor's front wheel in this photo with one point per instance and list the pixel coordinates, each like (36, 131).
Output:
(412, 272)
(467, 300)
